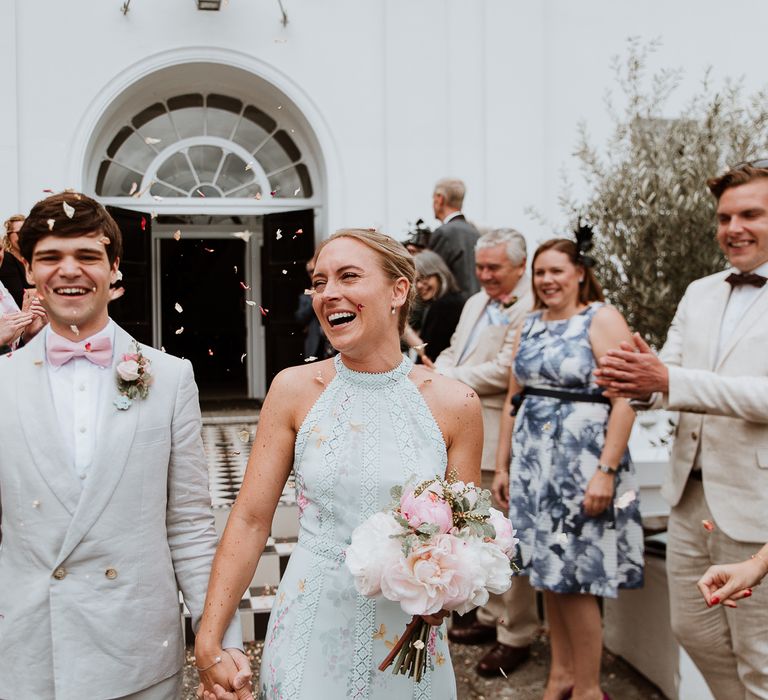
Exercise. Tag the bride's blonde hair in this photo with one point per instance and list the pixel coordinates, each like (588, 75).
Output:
(395, 260)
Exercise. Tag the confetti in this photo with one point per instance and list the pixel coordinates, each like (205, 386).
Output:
(51, 223)
(176, 235)
(279, 234)
(250, 303)
(243, 235)
(248, 166)
(162, 348)
(48, 190)
(562, 538)
(75, 330)
(264, 311)
(104, 240)
(245, 286)
(38, 363)
(150, 141)
(625, 499)
(234, 453)
(200, 193)
(273, 193)
(243, 356)
(209, 250)
(165, 643)
(143, 223)
(426, 381)
(118, 276)
(210, 352)
(285, 272)
(178, 308)
(179, 331)
(257, 195)
(157, 198)
(296, 191)
(418, 644)
(708, 525)
(87, 347)
(244, 436)
(299, 231)
(310, 292)
(153, 214)
(35, 503)
(419, 347)
(500, 668)
(311, 358)
(279, 106)
(134, 187)
(319, 378)
(68, 210)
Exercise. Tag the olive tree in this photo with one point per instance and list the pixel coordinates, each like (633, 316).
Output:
(653, 216)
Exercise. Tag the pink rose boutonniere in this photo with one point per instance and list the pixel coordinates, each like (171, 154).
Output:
(134, 377)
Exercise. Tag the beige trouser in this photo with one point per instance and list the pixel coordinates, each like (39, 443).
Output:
(513, 613)
(729, 646)
(169, 689)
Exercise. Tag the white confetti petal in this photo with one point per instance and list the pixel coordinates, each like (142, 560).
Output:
(243, 235)
(279, 234)
(75, 329)
(311, 358)
(150, 141)
(118, 276)
(179, 331)
(178, 308)
(562, 538)
(176, 235)
(625, 499)
(50, 223)
(68, 210)
(250, 303)
(134, 187)
(244, 436)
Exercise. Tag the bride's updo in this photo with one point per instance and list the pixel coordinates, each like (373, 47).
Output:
(396, 261)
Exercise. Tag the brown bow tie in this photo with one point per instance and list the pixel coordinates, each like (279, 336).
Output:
(751, 278)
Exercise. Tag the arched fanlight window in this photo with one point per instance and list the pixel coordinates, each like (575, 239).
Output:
(203, 146)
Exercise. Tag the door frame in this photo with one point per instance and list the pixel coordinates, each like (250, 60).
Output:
(255, 340)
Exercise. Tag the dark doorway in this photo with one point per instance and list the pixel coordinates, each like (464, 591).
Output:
(203, 277)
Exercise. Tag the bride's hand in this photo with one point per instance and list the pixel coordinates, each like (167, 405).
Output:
(227, 679)
(437, 619)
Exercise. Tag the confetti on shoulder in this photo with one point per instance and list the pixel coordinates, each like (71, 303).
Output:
(319, 378)
(311, 358)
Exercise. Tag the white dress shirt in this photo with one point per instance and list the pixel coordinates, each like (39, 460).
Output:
(450, 216)
(76, 388)
(739, 301)
(492, 316)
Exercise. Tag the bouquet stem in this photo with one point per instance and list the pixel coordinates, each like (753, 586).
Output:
(409, 654)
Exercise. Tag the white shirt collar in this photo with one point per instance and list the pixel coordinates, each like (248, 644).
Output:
(452, 215)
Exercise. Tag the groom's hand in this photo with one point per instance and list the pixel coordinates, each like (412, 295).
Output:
(228, 680)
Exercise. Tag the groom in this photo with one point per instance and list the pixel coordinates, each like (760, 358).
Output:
(105, 504)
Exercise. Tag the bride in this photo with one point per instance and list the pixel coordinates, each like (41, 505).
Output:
(350, 427)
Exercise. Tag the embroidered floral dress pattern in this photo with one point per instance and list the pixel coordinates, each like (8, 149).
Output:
(365, 434)
(555, 452)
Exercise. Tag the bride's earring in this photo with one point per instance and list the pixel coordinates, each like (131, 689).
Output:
(393, 311)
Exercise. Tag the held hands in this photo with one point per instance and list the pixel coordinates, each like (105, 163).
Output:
(228, 679)
(726, 583)
(632, 371)
(599, 493)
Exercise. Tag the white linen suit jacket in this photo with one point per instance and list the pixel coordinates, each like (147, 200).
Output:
(90, 571)
(724, 407)
(486, 368)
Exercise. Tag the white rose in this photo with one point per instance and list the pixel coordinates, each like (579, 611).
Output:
(128, 370)
(372, 551)
(496, 567)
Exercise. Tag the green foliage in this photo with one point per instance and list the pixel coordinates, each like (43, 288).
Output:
(653, 216)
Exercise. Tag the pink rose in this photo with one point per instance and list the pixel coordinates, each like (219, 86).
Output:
(128, 370)
(131, 356)
(428, 507)
(505, 534)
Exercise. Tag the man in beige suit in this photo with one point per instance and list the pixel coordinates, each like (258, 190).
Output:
(714, 370)
(480, 355)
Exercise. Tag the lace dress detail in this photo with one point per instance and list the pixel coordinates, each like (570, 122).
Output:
(365, 434)
(555, 452)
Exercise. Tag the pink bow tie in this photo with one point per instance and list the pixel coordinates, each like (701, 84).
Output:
(60, 350)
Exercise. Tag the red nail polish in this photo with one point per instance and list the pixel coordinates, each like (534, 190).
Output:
(715, 600)
(748, 593)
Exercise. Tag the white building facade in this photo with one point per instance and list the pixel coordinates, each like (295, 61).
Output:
(239, 140)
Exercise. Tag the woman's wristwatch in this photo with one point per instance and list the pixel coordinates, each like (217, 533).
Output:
(606, 469)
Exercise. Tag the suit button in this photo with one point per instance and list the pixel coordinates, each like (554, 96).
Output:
(694, 435)
(111, 573)
(60, 573)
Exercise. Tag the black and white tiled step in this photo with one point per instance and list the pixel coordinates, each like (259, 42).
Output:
(227, 447)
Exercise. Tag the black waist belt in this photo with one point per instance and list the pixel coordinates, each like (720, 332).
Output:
(517, 399)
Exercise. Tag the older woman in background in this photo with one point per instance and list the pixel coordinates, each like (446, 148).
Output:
(440, 308)
(571, 489)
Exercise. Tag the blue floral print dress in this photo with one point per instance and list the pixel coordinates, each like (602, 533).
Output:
(555, 452)
(324, 641)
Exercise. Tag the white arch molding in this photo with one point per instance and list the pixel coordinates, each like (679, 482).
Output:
(129, 91)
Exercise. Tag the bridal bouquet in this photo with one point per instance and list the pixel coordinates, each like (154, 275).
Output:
(439, 546)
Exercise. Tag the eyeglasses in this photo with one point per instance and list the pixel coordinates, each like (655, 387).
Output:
(761, 163)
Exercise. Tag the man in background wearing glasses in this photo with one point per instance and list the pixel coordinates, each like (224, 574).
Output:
(714, 370)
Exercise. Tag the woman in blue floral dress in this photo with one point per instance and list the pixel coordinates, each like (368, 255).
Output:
(571, 487)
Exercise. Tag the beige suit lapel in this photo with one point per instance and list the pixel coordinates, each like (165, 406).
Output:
(755, 314)
(479, 302)
(716, 312)
(41, 426)
(114, 438)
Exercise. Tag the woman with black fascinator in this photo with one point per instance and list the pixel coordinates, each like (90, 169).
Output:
(562, 464)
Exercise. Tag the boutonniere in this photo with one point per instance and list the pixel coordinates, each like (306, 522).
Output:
(134, 377)
(506, 303)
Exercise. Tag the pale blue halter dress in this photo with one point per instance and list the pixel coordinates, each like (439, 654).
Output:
(365, 434)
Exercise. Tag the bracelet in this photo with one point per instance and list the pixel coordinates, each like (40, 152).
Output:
(217, 660)
(756, 555)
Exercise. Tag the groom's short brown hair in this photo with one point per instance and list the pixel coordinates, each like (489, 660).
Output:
(739, 174)
(51, 217)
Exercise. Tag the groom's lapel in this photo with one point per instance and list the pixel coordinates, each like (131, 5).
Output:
(41, 426)
(114, 438)
(714, 315)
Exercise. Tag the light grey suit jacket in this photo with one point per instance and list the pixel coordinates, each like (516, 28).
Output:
(486, 367)
(724, 407)
(90, 571)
